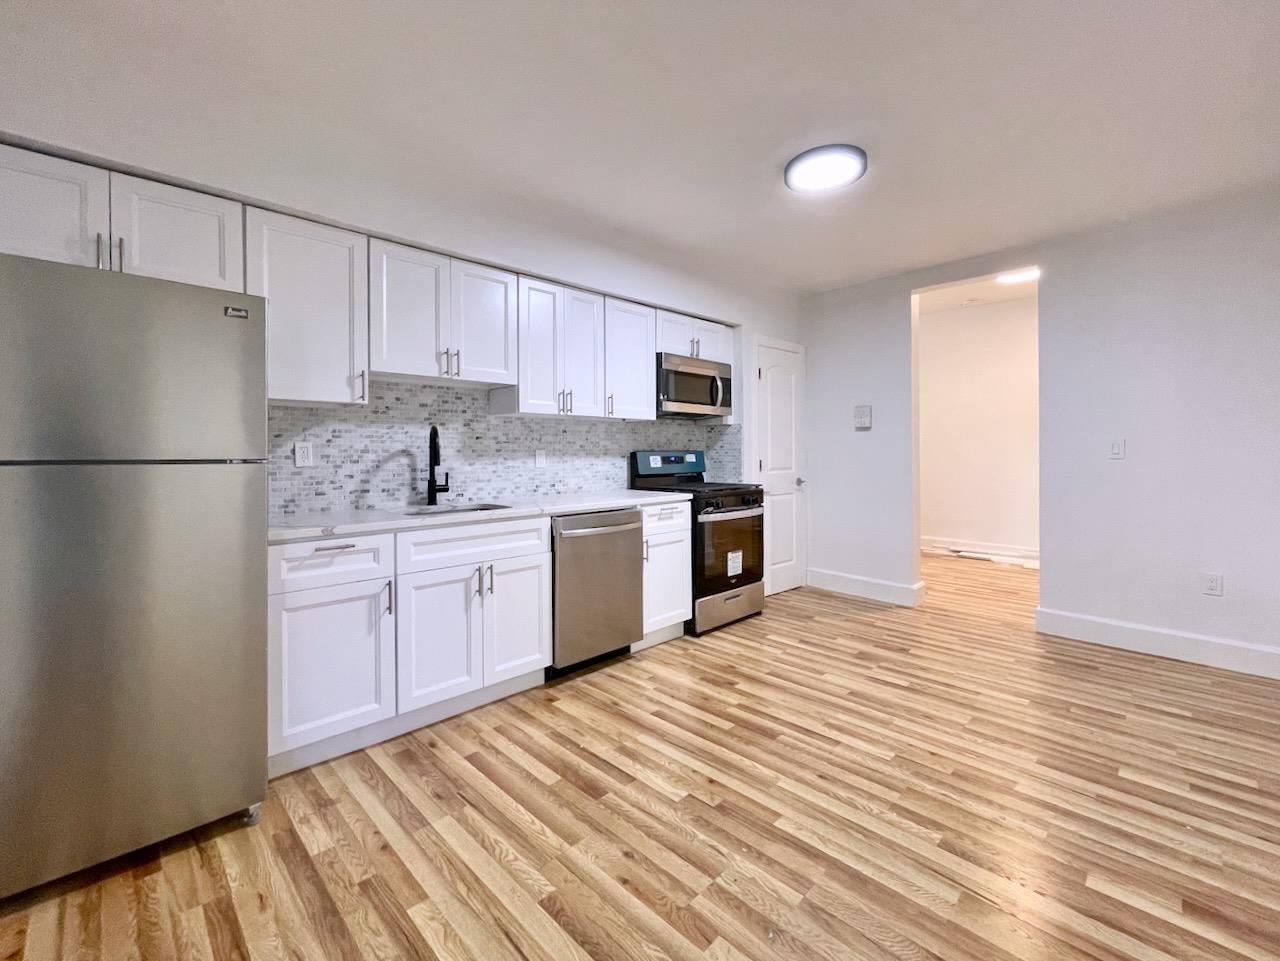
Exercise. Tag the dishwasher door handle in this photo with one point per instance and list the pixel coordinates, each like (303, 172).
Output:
(593, 531)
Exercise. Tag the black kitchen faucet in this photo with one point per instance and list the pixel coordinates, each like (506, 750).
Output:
(433, 461)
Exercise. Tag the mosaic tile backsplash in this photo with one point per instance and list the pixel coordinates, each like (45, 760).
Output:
(375, 456)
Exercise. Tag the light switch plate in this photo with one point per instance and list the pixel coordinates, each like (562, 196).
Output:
(862, 417)
(1212, 584)
(304, 454)
(1118, 449)
(539, 458)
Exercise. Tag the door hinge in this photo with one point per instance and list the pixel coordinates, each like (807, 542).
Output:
(759, 373)
(762, 463)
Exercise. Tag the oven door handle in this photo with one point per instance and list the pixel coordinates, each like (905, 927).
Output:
(714, 518)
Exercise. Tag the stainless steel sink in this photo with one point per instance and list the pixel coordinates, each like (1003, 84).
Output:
(416, 509)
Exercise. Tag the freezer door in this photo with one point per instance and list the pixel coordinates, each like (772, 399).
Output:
(132, 657)
(98, 365)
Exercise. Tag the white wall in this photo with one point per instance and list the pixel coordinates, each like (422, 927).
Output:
(1162, 331)
(980, 428)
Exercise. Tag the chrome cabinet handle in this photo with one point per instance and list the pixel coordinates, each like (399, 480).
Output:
(693, 347)
(610, 405)
(457, 362)
(561, 409)
(390, 598)
(480, 581)
(646, 550)
(98, 249)
(699, 346)
(490, 578)
(571, 402)
(335, 547)
(361, 375)
(122, 255)
(448, 369)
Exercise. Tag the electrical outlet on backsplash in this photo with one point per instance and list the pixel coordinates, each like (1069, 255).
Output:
(375, 456)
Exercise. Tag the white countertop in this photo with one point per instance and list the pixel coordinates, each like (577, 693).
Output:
(284, 528)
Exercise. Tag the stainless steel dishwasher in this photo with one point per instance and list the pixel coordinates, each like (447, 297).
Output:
(599, 584)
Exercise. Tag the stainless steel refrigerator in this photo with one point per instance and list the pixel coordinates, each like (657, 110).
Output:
(132, 563)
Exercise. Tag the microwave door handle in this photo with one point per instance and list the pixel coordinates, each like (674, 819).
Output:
(717, 391)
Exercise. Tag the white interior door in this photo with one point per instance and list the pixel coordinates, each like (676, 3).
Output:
(779, 396)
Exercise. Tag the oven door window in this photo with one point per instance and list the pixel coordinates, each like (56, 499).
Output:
(729, 553)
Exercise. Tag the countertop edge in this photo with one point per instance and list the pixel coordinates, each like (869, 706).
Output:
(310, 527)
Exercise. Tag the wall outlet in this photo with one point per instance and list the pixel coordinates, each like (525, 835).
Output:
(862, 417)
(1118, 449)
(304, 455)
(1211, 584)
(539, 458)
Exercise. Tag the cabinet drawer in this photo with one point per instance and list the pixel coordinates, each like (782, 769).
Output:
(666, 517)
(339, 560)
(440, 547)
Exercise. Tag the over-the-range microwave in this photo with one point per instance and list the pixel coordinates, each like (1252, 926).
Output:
(693, 387)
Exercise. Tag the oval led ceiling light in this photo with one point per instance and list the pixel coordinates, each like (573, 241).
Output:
(826, 168)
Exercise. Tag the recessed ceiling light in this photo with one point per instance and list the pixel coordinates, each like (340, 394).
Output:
(826, 168)
(1019, 276)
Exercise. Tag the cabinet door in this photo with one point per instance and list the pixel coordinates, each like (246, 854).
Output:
(408, 311)
(175, 234)
(675, 333)
(713, 341)
(484, 323)
(541, 347)
(668, 579)
(517, 616)
(439, 635)
(584, 353)
(316, 282)
(53, 209)
(332, 662)
(630, 367)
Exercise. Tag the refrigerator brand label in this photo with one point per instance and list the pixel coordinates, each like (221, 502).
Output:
(735, 563)
(241, 313)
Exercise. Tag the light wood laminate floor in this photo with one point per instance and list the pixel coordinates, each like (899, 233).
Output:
(833, 780)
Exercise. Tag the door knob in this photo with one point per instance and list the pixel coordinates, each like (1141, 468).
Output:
(799, 482)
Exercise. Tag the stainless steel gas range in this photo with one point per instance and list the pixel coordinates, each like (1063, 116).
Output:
(728, 535)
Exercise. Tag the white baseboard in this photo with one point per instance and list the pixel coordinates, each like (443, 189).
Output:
(660, 636)
(996, 552)
(1222, 652)
(873, 589)
(340, 744)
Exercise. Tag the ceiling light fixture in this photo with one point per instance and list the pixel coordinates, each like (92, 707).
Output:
(1019, 276)
(826, 168)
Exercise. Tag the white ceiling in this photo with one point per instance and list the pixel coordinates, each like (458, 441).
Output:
(665, 123)
(973, 293)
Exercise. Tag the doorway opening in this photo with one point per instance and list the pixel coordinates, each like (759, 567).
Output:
(978, 423)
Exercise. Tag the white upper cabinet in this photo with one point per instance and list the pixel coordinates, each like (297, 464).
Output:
(584, 348)
(175, 234)
(409, 309)
(561, 353)
(315, 279)
(54, 209)
(541, 389)
(675, 333)
(693, 337)
(484, 324)
(713, 341)
(630, 360)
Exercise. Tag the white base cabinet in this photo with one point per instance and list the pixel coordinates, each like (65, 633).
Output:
(482, 619)
(440, 631)
(331, 662)
(668, 566)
